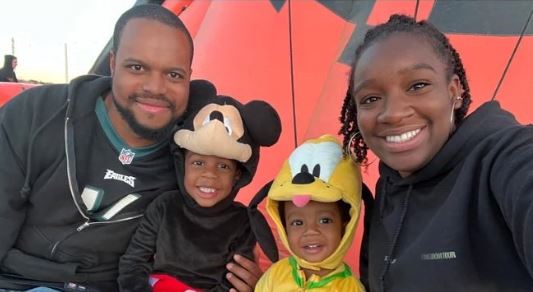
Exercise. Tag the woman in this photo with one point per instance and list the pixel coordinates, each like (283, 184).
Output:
(454, 201)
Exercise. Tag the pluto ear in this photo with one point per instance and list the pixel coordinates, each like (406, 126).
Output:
(200, 90)
(260, 226)
(262, 121)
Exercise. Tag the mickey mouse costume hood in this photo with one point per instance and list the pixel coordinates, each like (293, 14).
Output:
(226, 128)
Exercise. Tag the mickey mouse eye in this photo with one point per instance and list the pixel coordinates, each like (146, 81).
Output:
(227, 124)
(206, 120)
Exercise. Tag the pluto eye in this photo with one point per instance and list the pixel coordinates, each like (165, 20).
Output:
(316, 170)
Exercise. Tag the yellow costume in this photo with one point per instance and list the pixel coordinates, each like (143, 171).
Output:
(335, 177)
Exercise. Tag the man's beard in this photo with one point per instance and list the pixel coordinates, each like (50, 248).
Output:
(156, 135)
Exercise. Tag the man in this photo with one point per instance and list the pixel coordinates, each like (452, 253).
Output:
(80, 162)
(7, 73)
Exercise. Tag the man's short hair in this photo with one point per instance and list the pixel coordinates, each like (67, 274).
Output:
(152, 12)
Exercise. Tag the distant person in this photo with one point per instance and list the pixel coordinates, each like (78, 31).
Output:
(7, 73)
(314, 202)
(187, 235)
(80, 162)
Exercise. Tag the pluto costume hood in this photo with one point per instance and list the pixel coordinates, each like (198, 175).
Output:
(317, 170)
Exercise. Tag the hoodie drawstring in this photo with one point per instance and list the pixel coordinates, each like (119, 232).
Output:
(390, 257)
(26, 188)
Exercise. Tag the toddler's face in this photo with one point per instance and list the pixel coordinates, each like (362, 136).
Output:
(209, 179)
(313, 231)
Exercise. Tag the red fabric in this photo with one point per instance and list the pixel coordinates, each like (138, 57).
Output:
(166, 283)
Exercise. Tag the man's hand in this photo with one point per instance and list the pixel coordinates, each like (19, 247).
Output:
(243, 275)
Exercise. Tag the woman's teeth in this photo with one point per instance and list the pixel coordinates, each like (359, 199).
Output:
(403, 137)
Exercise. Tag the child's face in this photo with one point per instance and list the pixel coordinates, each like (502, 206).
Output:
(404, 101)
(209, 179)
(313, 231)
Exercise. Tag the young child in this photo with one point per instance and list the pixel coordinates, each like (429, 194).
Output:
(187, 236)
(314, 203)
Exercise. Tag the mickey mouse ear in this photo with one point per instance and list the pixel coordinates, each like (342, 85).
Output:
(199, 91)
(263, 122)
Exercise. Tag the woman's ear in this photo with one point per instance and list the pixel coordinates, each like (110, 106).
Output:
(456, 91)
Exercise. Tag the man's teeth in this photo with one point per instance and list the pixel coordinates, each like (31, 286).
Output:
(403, 137)
(207, 190)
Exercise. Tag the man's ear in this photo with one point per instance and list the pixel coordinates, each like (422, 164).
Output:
(456, 91)
(112, 62)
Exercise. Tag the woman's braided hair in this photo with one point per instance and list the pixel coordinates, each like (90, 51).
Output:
(353, 141)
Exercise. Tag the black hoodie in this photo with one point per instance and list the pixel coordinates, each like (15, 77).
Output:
(7, 73)
(52, 148)
(464, 222)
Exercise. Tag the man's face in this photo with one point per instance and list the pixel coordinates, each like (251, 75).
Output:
(151, 73)
(14, 63)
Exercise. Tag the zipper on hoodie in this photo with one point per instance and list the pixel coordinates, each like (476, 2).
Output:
(71, 177)
(84, 226)
(73, 186)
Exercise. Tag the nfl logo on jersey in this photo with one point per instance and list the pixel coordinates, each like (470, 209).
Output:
(126, 156)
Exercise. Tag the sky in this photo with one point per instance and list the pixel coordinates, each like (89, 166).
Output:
(42, 29)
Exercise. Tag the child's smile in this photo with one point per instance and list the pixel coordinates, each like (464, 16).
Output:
(314, 230)
(209, 179)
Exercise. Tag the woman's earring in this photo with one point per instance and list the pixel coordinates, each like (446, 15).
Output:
(348, 149)
(452, 115)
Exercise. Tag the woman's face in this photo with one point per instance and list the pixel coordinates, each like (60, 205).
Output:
(404, 101)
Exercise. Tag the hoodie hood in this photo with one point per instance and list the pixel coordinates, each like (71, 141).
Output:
(317, 170)
(222, 126)
(8, 62)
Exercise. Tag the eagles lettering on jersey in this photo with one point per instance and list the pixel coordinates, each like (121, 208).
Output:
(130, 180)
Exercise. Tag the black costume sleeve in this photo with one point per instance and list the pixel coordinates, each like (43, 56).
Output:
(15, 131)
(136, 264)
(243, 246)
